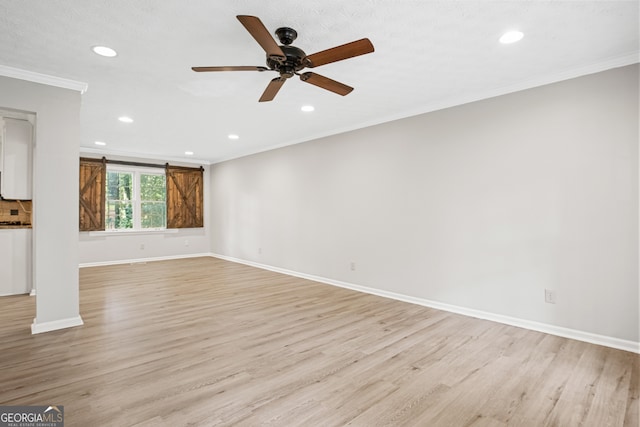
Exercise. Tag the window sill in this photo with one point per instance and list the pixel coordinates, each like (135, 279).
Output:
(132, 232)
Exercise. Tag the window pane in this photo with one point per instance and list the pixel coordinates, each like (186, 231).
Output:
(152, 201)
(119, 207)
(119, 215)
(119, 185)
(152, 187)
(154, 214)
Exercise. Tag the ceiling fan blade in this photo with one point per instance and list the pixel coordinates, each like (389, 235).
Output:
(338, 53)
(326, 83)
(231, 68)
(256, 28)
(272, 89)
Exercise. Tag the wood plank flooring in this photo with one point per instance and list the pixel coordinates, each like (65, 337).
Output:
(205, 342)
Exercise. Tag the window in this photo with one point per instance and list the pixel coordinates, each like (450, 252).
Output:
(121, 195)
(135, 199)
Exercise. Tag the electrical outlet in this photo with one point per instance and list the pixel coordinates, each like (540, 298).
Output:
(259, 251)
(141, 246)
(186, 243)
(353, 266)
(549, 296)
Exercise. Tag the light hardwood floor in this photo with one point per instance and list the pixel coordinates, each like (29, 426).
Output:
(206, 342)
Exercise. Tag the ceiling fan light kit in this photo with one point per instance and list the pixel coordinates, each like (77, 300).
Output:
(288, 60)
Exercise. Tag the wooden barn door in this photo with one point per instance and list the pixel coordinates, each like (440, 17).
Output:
(184, 197)
(92, 194)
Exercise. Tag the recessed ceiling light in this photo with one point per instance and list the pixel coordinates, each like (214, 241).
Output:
(307, 108)
(104, 51)
(125, 119)
(233, 136)
(100, 143)
(511, 37)
(188, 153)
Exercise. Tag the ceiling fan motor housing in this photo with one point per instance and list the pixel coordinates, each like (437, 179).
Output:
(295, 61)
(286, 35)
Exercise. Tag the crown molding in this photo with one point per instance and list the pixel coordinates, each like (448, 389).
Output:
(617, 61)
(622, 60)
(44, 79)
(142, 156)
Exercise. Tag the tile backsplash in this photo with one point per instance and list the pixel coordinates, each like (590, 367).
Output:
(16, 211)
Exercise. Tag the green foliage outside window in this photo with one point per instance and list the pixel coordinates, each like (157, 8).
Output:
(119, 209)
(153, 193)
(123, 211)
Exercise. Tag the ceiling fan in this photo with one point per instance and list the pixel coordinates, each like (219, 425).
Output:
(289, 60)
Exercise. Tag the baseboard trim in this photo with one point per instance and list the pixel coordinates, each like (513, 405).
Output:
(575, 334)
(141, 260)
(38, 328)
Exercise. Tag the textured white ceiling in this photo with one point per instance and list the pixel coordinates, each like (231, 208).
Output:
(429, 55)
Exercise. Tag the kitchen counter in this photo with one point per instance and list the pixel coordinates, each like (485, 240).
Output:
(13, 227)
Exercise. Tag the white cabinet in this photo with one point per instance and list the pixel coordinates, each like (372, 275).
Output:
(15, 261)
(16, 153)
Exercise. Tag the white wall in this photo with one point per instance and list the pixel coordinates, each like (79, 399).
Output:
(115, 248)
(55, 197)
(480, 206)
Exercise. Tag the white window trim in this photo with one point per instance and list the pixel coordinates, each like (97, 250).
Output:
(130, 232)
(137, 225)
